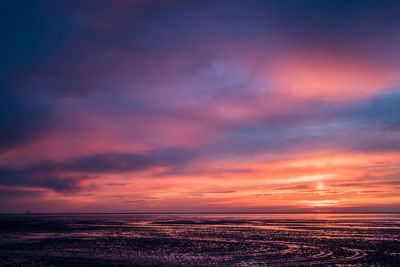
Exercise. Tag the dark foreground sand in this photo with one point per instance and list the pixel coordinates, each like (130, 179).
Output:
(200, 240)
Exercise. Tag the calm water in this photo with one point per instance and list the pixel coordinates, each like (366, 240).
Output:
(200, 239)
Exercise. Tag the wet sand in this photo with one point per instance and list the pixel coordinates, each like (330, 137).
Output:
(200, 239)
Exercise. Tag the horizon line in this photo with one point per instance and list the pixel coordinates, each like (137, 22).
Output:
(272, 212)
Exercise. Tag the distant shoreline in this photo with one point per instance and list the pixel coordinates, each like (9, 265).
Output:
(150, 213)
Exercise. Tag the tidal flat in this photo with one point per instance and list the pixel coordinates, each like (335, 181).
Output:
(320, 239)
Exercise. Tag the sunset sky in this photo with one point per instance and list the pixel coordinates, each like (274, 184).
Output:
(197, 105)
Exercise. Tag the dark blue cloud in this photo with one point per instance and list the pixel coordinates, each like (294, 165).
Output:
(117, 162)
(47, 174)
(369, 125)
(381, 111)
(29, 178)
(23, 119)
(18, 194)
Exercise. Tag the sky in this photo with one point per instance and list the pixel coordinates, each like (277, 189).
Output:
(199, 106)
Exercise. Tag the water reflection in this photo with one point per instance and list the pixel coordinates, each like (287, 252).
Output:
(200, 239)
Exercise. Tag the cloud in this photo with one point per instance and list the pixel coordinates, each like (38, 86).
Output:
(52, 175)
(23, 119)
(13, 193)
(380, 111)
(117, 162)
(102, 93)
(29, 178)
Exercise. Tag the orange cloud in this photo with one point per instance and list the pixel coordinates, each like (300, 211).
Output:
(333, 77)
(330, 181)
